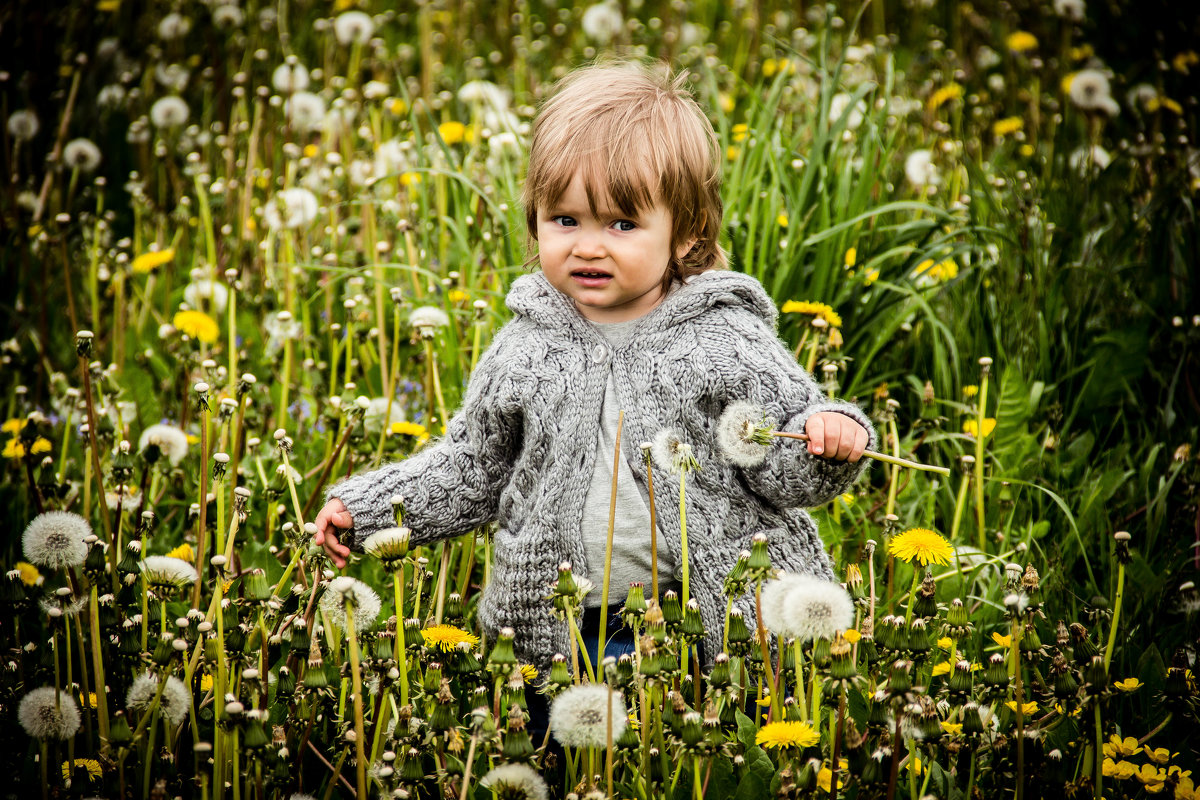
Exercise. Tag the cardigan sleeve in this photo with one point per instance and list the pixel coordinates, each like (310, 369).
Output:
(454, 484)
(756, 367)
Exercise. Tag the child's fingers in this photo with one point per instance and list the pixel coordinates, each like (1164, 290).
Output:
(845, 444)
(860, 444)
(815, 428)
(342, 519)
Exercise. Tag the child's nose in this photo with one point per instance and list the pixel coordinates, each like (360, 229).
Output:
(589, 245)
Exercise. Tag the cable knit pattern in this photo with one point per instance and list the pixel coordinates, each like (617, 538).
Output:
(522, 448)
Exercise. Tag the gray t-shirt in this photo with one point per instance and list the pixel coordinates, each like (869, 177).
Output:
(631, 530)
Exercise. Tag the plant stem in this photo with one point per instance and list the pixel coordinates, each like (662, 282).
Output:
(608, 548)
(1116, 618)
(356, 676)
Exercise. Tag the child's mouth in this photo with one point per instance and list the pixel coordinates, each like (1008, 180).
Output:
(591, 277)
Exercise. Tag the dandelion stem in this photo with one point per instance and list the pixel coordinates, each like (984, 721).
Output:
(401, 650)
(895, 460)
(979, 509)
(912, 594)
(798, 654)
(356, 676)
(766, 652)
(608, 549)
(202, 533)
(1116, 617)
(98, 667)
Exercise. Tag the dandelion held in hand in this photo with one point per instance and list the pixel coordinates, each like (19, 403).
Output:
(46, 713)
(744, 433)
(55, 539)
(516, 781)
(778, 735)
(921, 545)
(366, 603)
(447, 637)
(173, 704)
(579, 716)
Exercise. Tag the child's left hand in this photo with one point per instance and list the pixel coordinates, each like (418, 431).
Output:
(835, 436)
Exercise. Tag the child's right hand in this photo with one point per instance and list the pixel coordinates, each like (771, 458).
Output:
(333, 516)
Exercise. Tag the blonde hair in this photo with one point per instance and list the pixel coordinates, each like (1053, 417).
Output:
(636, 136)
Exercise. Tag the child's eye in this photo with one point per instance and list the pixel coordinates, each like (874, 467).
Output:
(564, 220)
(621, 225)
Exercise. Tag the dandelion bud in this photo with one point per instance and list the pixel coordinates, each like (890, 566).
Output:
(566, 581)
(995, 676)
(1122, 550)
(83, 343)
(759, 563)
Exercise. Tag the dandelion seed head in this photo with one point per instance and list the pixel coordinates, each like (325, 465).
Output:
(838, 105)
(304, 110)
(227, 15)
(173, 26)
(517, 781)
(1090, 91)
(735, 433)
(169, 112)
(353, 27)
(81, 154)
(168, 572)
(602, 22)
(920, 169)
(814, 608)
(45, 717)
(579, 716)
(204, 290)
(1073, 10)
(427, 318)
(55, 539)
(290, 77)
(23, 124)
(175, 701)
(366, 602)
(291, 208)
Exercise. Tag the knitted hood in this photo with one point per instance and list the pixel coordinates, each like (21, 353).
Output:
(533, 297)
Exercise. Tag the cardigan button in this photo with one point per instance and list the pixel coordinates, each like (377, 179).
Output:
(599, 353)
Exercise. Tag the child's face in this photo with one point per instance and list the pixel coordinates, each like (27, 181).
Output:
(611, 266)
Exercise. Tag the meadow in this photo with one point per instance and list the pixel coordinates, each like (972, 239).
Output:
(250, 249)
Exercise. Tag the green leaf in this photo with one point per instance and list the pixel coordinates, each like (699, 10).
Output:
(752, 787)
(760, 763)
(745, 729)
(1013, 407)
(857, 705)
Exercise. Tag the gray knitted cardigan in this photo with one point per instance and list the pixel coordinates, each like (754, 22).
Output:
(521, 449)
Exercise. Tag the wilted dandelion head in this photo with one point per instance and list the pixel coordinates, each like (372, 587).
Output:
(388, 545)
(174, 703)
(169, 440)
(921, 545)
(23, 124)
(806, 607)
(579, 716)
(43, 717)
(671, 453)
(169, 112)
(353, 27)
(55, 539)
(741, 436)
(516, 782)
(168, 573)
(366, 603)
(81, 154)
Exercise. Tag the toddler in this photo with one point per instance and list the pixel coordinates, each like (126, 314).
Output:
(633, 310)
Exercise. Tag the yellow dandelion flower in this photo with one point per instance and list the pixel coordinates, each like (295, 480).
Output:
(1026, 708)
(29, 573)
(870, 276)
(1129, 685)
(939, 271)
(1002, 639)
(529, 673)
(941, 669)
(1183, 61)
(1021, 42)
(206, 682)
(452, 132)
(921, 545)
(1121, 770)
(971, 427)
(1026, 150)
(148, 262)
(1116, 747)
(769, 67)
(457, 296)
(108, 6)
(732, 153)
(198, 325)
(1081, 53)
(813, 309)
(782, 220)
(852, 636)
(726, 102)
(787, 734)
(947, 93)
(740, 132)
(311, 150)
(851, 257)
(945, 643)
(13, 448)
(1067, 80)
(94, 772)
(1156, 103)
(825, 780)
(970, 390)
(41, 445)
(1007, 126)
(184, 552)
(409, 429)
(447, 637)
(15, 425)
(916, 765)
(952, 728)
(397, 106)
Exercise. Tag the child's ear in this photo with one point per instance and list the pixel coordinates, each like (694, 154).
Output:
(685, 248)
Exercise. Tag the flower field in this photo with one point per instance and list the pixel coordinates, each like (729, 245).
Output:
(253, 248)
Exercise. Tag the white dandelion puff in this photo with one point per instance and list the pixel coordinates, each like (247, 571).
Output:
(227, 15)
(920, 169)
(23, 125)
(388, 545)
(47, 713)
(291, 208)
(377, 411)
(517, 781)
(174, 703)
(171, 76)
(504, 144)
(427, 318)
(1090, 91)
(579, 716)
(81, 154)
(739, 433)
(671, 453)
(1073, 10)
(305, 110)
(215, 293)
(353, 27)
(279, 329)
(375, 90)
(173, 26)
(55, 539)
(483, 93)
(130, 498)
(171, 442)
(169, 112)
(290, 77)
(838, 105)
(773, 594)
(813, 608)
(366, 603)
(602, 22)
(168, 572)
(1087, 159)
